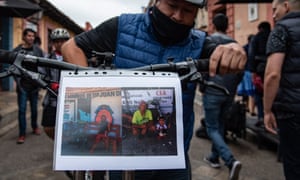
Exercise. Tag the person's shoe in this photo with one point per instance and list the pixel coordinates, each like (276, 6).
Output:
(36, 131)
(214, 163)
(21, 140)
(234, 170)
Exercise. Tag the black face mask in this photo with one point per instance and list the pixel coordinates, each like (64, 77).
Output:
(166, 30)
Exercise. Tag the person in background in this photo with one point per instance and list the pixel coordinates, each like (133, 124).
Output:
(37, 41)
(257, 59)
(216, 104)
(26, 89)
(280, 9)
(58, 37)
(246, 88)
(136, 39)
(282, 84)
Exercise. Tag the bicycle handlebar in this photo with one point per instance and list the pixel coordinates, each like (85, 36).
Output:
(15, 58)
(7, 56)
(188, 70)
(11, 58)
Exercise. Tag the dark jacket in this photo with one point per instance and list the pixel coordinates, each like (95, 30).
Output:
(257, 53)
(288, 96)
(53, 75)
(23, 83)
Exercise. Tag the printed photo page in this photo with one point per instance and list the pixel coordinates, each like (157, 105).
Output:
(119, 120)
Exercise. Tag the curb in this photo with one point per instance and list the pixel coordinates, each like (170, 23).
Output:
(8, 119)
(9, 111)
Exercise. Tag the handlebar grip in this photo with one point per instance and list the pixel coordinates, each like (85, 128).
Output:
(7, 56)
(202, 65)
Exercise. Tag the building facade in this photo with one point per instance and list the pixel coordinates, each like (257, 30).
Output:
(42, 22)
(243, 17)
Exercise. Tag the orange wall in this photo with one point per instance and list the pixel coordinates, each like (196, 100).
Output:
(243, 27)
(17, 31)
(43, 25)
(239, 25)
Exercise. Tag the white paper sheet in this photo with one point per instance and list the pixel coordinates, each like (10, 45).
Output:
(83, 95)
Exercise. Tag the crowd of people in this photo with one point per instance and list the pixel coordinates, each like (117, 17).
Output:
(264, 72)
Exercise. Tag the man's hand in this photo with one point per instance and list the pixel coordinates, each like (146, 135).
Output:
(228, 58)
(270, 122)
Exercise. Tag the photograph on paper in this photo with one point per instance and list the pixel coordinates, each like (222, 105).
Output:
(119, 122)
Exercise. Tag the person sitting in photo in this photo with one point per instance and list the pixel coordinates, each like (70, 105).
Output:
(103, 125)
(142, 120)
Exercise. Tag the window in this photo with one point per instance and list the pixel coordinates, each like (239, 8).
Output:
(252, 11)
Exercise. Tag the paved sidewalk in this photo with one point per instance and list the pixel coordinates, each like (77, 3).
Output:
(258, 164)
(8, 111)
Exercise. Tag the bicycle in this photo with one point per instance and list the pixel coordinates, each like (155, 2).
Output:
(188, 70)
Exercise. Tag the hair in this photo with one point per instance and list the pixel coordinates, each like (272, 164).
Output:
(161, 118)
(294, 1)
(143, 102)
(220, 21)
(250, 36)
(264, 26)
(27, 30)
(295, 4)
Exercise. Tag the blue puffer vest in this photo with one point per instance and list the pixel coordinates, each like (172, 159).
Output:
(137, 46)
(288, 96)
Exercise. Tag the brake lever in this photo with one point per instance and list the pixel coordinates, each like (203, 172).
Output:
(194, 76)
(193, 73)
(198, 77)
(5, 74)
(16, 69)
